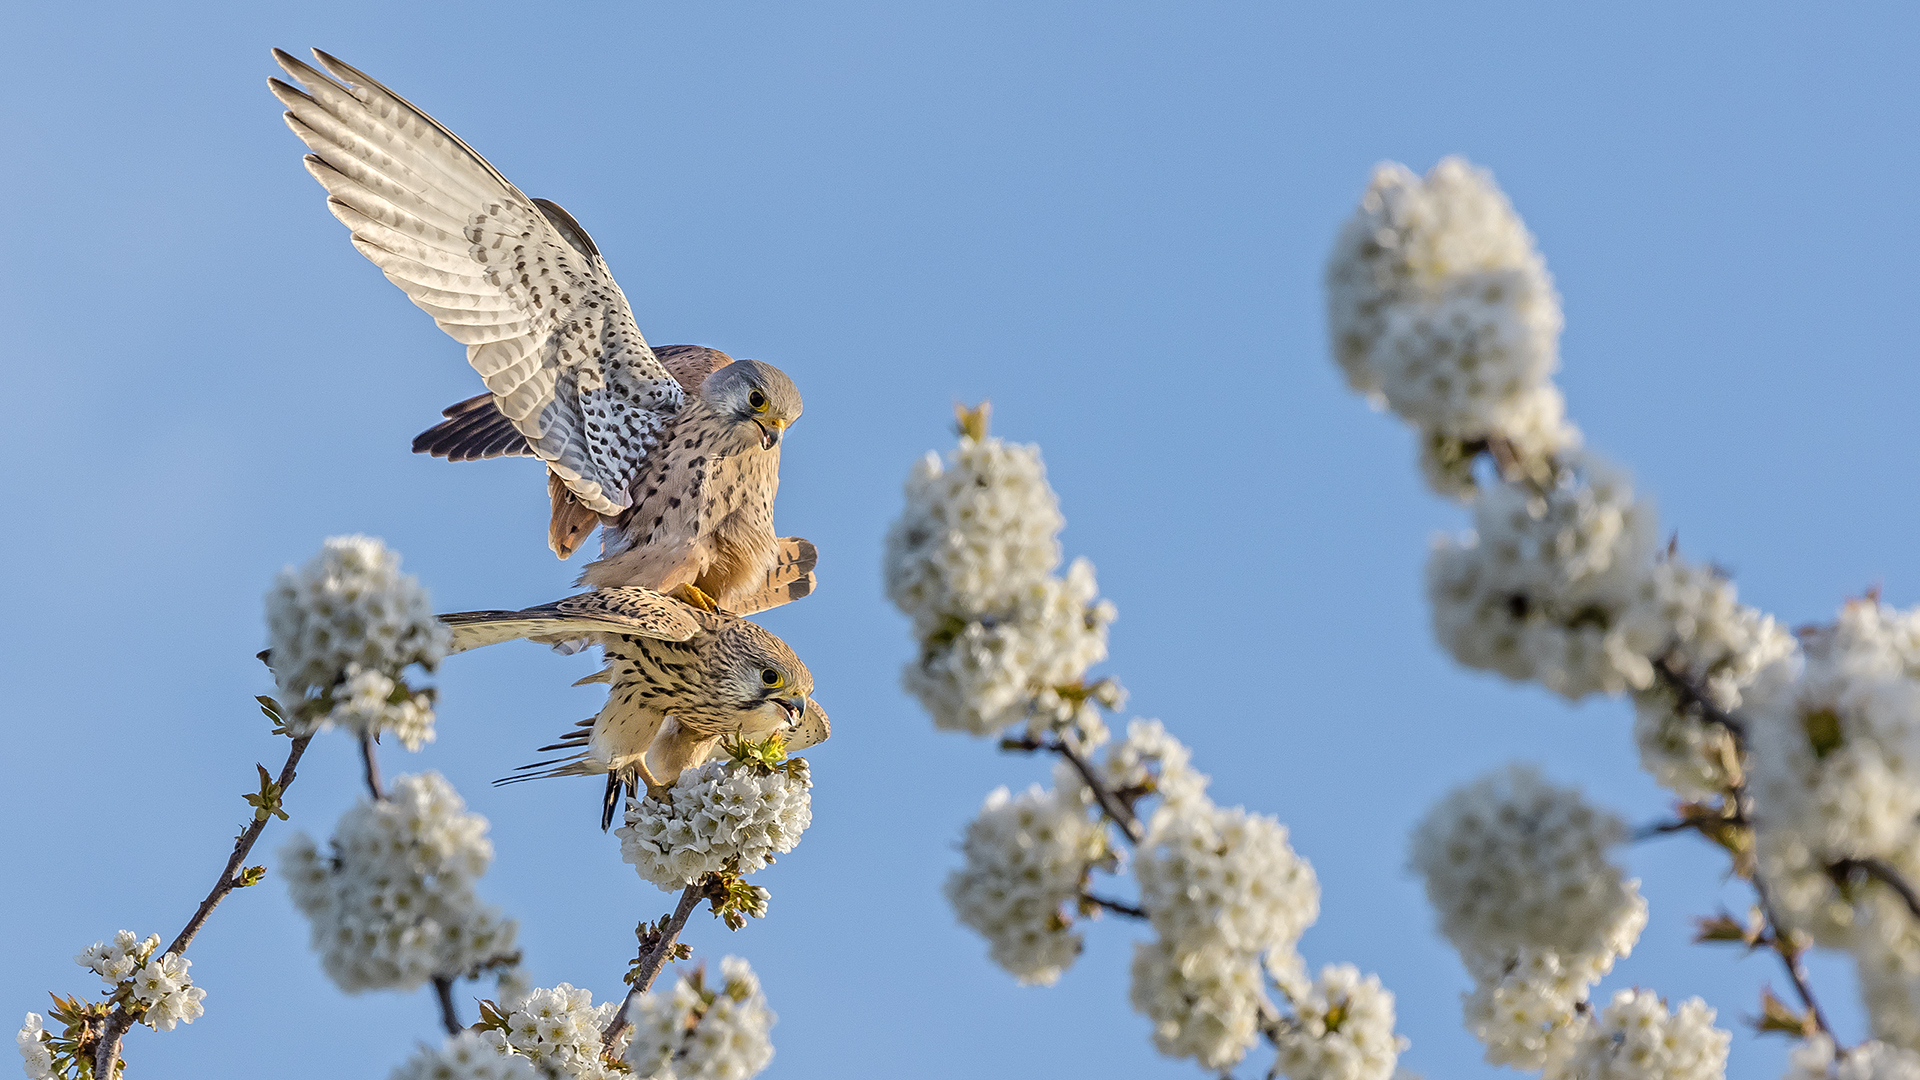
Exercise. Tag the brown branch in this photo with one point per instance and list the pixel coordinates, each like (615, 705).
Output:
(1691, 695)
(1111, 804)
(370, 758)
(653, 957)
(443, 989)
(1790, 954)
(106, 1054)
(1116, 906)
(1885, 874)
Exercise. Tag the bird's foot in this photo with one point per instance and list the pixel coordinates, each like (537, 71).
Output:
(691, 595)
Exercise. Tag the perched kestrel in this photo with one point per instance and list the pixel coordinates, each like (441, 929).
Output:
(680, 678)
(679, 458)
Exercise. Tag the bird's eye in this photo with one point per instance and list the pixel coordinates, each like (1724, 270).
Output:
(758, 400)
(770, 678)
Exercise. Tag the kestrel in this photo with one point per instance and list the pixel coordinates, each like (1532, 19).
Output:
(680, 679)
(680, 458)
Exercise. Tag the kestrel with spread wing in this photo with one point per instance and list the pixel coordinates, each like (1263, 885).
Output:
(680, 459)
(680, 679)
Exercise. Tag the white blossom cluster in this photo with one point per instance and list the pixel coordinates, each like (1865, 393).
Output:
(393, 905)
(722, 815)
(467, 1056)
(343, 628)
(1518, 871)
(1724, 649)
(1150, 759)
(1342, 1029)
(1637, 1038)
(972, 561)
(699, 1032)
(1223, 889)
(36, 1056)
(559, 1030)
(1835, 775)
(1818, 1059)
(1541, 588)
(1440, 309)
(1027, 858)
(159, 983)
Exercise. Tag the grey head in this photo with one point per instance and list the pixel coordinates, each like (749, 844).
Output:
(754, 673)
(758, 398)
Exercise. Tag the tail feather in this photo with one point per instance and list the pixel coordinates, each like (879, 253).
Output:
(790, 579)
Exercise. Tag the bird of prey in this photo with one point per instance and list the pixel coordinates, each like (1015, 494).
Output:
(679, 455)
(680, 679)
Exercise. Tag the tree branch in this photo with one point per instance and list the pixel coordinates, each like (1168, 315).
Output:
(1116, 906)
(1885, 874)
(443, 989)
(1691, 695)
(653, 957)
(1790, 954)
(370, 758)
(1111, 804)
(107, 1053)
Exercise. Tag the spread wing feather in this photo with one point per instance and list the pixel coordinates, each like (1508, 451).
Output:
(473, 430)
(628, 610)
(515, 280)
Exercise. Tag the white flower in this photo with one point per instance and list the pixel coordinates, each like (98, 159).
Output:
(699, 1032)
(1521, 1007)
(1440, 309)
(1512, 862)
(1205, 1003)
(118, 961)
(1540, 590)
(1835, 769)
(343, 627)
(1636, 1038)
(1722, 648)
(1227, 877)
(1816, 1059)
(466, 1056)
(394, 906)
(1150, 758)
(977, 532)
(719, 816)
(990, 669)
(166, 989)
(1027, 856)
(36, 1055)
(1342, 1029)
(559, 1031)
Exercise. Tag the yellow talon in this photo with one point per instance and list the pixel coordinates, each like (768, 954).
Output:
(690, 595)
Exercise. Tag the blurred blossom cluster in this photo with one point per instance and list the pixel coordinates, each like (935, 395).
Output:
(972, 561)
(392, 901)
(1798, 754)
(697, 1030)
(1003, 640)
(344, 628)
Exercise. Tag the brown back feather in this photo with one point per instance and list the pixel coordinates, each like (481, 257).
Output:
(572, 521)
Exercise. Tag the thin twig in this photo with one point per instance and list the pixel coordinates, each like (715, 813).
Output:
(1692, 695)
(443, 989)
(654, 959)
(1790, 954)
(107, 1053)
(1660, 828)
(370, 757)
(1885, 874)
(1118, 907)
(1112, 805)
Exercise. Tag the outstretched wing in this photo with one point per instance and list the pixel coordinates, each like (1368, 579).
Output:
(811, 730)
(514, 279)
(628, 610)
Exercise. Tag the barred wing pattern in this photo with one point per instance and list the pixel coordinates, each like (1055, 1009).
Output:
(514, 279)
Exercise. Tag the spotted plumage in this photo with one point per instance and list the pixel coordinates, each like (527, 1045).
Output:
(676, 452)
(679, 680)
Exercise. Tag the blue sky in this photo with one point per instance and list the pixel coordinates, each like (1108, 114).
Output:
(1110, 218)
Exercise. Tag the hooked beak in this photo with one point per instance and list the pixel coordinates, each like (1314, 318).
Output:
(770, 432)
(794, 707)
